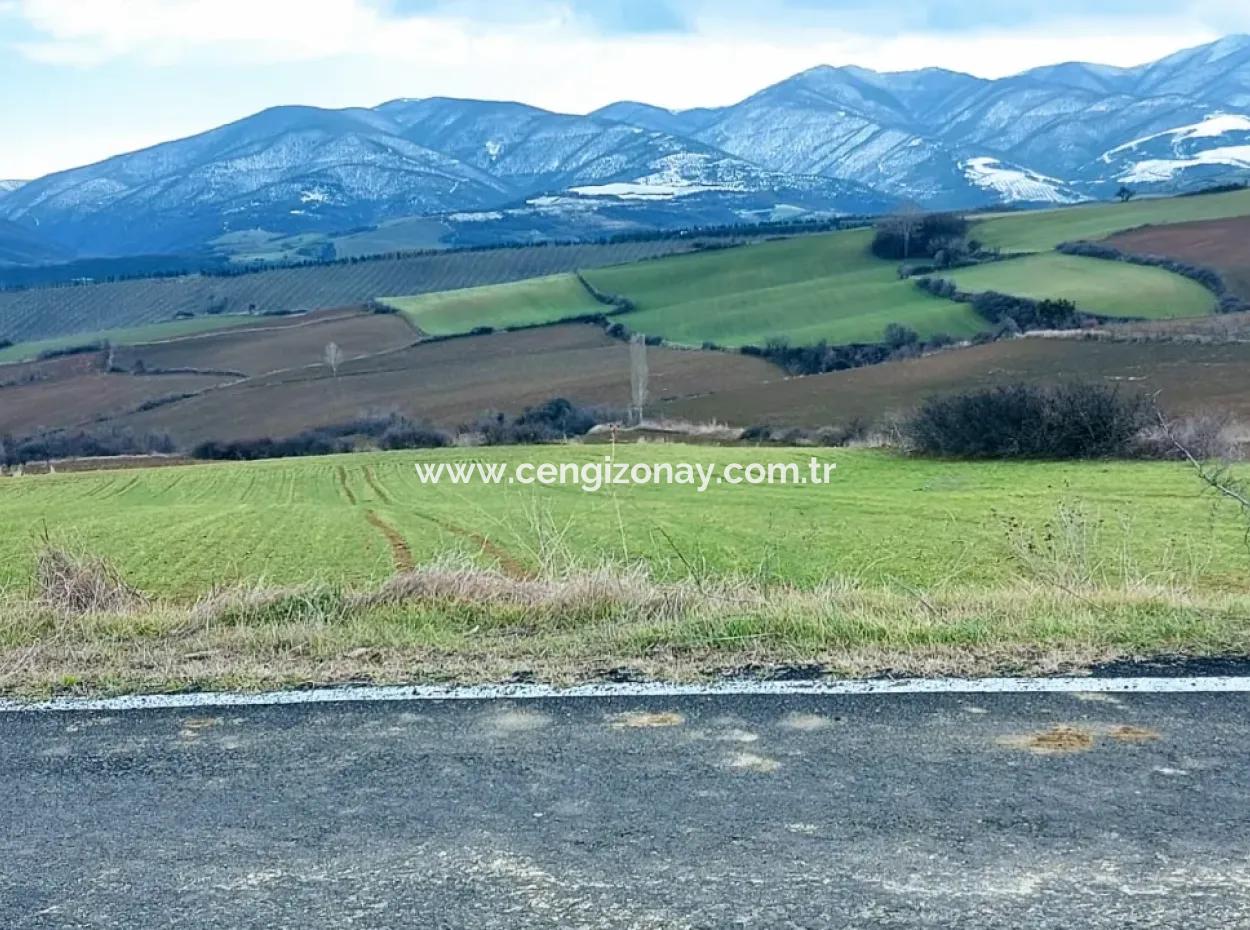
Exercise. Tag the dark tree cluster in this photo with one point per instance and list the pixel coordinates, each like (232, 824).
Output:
(898, 342)
(907, 235)
(556, 420)
(1066, 421)
(384, 432)
(66, 444)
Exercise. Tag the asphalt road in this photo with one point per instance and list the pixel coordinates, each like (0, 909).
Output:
(1038, 811)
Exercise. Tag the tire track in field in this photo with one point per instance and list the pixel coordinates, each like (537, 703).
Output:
(347, 491)
(372, 481)
(401, 554)
(511, 566)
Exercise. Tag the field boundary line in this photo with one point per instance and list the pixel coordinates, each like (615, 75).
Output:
(882, 688)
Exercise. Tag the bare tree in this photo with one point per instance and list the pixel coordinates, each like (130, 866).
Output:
(334, 357)
(638, 374)
(904, 222)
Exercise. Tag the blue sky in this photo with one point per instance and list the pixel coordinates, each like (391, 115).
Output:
(85, 79)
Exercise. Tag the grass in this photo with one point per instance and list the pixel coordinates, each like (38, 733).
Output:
(1095, 285)
(445, 623)
(132, 335)
(804, 289)
(1042, 230)
(521, 303)
(275, 574)
(884, 519)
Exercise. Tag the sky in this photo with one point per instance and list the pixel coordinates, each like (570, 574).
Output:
(85, 79)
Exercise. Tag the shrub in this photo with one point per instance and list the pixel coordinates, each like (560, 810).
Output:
(1026, 313)
(1068, 421)
(898, 336)
(81, 349)
(555, 420)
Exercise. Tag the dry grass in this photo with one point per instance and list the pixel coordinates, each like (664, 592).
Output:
(76, 583)
(454, 622)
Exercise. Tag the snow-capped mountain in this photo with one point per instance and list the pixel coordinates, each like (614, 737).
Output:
(828, 140)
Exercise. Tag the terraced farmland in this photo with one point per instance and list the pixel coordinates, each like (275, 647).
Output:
(45, 313)
(1095, 285)
(521, 303)
(130, 335)
(803, 289)
(183, 530)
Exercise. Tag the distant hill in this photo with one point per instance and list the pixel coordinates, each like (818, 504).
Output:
(829, 140)
(22, 246)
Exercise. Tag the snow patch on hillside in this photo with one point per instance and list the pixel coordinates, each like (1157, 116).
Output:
(1015, 184)
(1156, 170)
(1215, 125)
(677, 175)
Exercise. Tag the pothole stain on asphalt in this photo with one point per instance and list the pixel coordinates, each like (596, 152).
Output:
(750, 762)
(1066, 738)
(646, 719)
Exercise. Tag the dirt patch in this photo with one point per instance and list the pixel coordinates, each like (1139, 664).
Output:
(1064, 738)
(1058, 740)
(400, 553)
(1131, 734)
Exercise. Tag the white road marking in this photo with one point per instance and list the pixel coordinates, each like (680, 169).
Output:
(521, 692)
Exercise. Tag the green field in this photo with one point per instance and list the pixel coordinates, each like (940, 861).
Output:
(521, 303)
(884, 518)
(1094, 285)
(132, 335)
(803, 289)
(1042, 230)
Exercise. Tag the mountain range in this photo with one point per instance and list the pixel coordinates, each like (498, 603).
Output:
(829, 140)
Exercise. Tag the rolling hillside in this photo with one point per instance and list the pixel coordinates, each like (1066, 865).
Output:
(1096, 286)
(806, 289)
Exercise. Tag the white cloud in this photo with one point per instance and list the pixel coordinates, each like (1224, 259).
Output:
(553, 61)
(337, 53)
